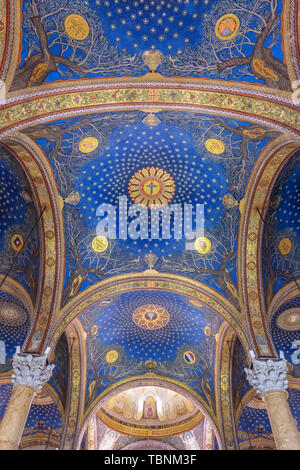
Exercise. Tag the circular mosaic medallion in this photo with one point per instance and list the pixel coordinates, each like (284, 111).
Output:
(11, 314)
(189, 357)
(17, 242)
(77, 27)
(202, 245)
(215, 146)
(99, 244)
(285, 246)
(289, 320)
(227, 27)
(151, 187)
(89, 144)
(112, 356)
(151, 317)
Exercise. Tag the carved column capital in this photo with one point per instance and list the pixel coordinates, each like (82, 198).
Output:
(267, 374)
(32, 371)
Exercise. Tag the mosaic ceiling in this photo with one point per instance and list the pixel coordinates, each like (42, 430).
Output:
(126, 332)
(281, 237)
(109, 157)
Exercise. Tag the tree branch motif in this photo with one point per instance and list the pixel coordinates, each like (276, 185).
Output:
(46, 36)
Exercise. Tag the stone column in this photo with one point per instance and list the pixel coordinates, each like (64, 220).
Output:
(268, 377)
(29, 374)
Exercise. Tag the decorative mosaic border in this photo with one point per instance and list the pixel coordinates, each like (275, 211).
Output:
(75, 387)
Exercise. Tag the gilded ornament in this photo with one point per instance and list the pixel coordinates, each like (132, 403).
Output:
(229, 201)
(263, 70)
(252, 236)
(151, 187)
(11, 314)
(189, 357)
(17, 242)
(151, 120)
(251, 265)
(152, 59)
(77, 27)
(289, 320)
(252, 295)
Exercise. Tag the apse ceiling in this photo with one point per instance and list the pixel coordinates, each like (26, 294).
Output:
(225, 40)
(108, 163)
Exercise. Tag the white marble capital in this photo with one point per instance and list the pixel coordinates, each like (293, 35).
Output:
(267, 374)
(32, 371)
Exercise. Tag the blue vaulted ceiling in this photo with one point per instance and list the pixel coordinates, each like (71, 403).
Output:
(108, 38)
(110, 326)
(178, 145)
(216, 40)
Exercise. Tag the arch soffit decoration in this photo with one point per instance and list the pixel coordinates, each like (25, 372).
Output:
(260, 184)
(45, 193)
(154, 281)
(7, 379)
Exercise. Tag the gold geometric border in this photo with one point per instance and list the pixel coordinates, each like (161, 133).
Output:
(141, 94)
(51, 239)
(76, 385)
(286, 293)
(137, 281)
(258, 191)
